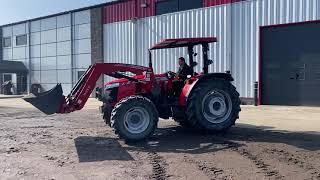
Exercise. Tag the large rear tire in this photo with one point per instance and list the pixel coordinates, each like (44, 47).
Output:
(213, 106)
(134, 118)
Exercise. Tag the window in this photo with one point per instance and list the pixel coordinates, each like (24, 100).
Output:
(169, 6)
(190, 4)
(80, 73)
(21, 40)
(7, 42)
(7, 77)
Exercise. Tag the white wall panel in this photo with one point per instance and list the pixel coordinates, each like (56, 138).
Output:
(235, 25)
(35, 77)
(19, 29)
(49, 76)
(7, 31)
(64, 34)
(35, 64)
(48, 50)
(82, 31)
(49, 36)
(81, 17)
(82, 46)
(35, 26)
(35, 38)
(48, 63)
(119, 42)
(82, 61)
(63, 21)
(35, 51)
(193, 23)
(64, 62)
(48, 23)
(64, 76)
(7, 53)
(19, 53)
(64, 48)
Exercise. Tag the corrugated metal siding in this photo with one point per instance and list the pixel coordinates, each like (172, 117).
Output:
(235, 25)
(247, 17)
(193, 23)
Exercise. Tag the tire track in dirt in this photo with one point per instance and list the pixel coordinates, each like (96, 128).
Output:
(265, 168)
(158, 166)
(260, 164)
(294, 160)
(207, 168)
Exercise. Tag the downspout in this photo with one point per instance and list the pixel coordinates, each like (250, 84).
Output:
(29, 64)
(231, 39)
(135, 24)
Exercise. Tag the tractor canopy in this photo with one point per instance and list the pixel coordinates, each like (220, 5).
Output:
(183, 42)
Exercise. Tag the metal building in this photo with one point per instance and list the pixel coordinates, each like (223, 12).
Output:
(272, 42)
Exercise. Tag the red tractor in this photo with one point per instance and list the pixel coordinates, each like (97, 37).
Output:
(134, 102)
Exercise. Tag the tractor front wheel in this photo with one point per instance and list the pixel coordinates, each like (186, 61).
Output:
(134, 118)
(213, 106)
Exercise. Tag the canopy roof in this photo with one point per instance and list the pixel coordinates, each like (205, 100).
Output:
(12, 67)
(183, 42)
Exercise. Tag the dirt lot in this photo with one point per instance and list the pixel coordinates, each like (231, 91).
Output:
(267, 143)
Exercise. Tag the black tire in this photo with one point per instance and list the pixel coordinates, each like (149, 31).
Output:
(123, 113)
(210, 98)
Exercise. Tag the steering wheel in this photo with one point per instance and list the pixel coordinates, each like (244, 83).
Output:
(170, 75)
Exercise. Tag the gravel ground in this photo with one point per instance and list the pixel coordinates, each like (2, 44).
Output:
(267, 143)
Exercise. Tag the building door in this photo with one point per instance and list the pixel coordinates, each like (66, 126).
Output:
(21, 83)
(7, 77)
(290, 64)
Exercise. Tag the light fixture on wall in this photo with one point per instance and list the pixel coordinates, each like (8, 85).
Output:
(134, 19)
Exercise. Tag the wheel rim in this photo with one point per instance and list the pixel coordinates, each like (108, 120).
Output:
(216, 106)
(136, 120)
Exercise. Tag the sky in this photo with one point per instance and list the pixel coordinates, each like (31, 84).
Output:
(18, 10)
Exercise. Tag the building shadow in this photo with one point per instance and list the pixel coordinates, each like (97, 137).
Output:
(92, 149)
(308, 140)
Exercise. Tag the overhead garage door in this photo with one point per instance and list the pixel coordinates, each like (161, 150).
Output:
(290, 64)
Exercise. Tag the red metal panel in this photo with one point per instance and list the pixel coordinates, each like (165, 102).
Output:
(147, 11)
(126, 10)
(208, 3)
(121, 11)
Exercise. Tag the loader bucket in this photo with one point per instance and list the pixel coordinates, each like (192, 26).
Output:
(48, 102)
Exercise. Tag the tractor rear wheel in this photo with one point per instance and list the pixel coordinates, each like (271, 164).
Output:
(134, 118)
(213, 106)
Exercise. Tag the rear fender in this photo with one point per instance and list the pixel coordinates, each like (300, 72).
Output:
(192, 84)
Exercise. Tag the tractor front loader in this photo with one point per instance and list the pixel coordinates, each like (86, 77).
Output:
(133, 103)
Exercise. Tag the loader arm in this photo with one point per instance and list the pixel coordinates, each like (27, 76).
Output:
(53, 101)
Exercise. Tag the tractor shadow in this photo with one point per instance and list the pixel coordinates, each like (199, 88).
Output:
(93, 149)
(176, 139)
